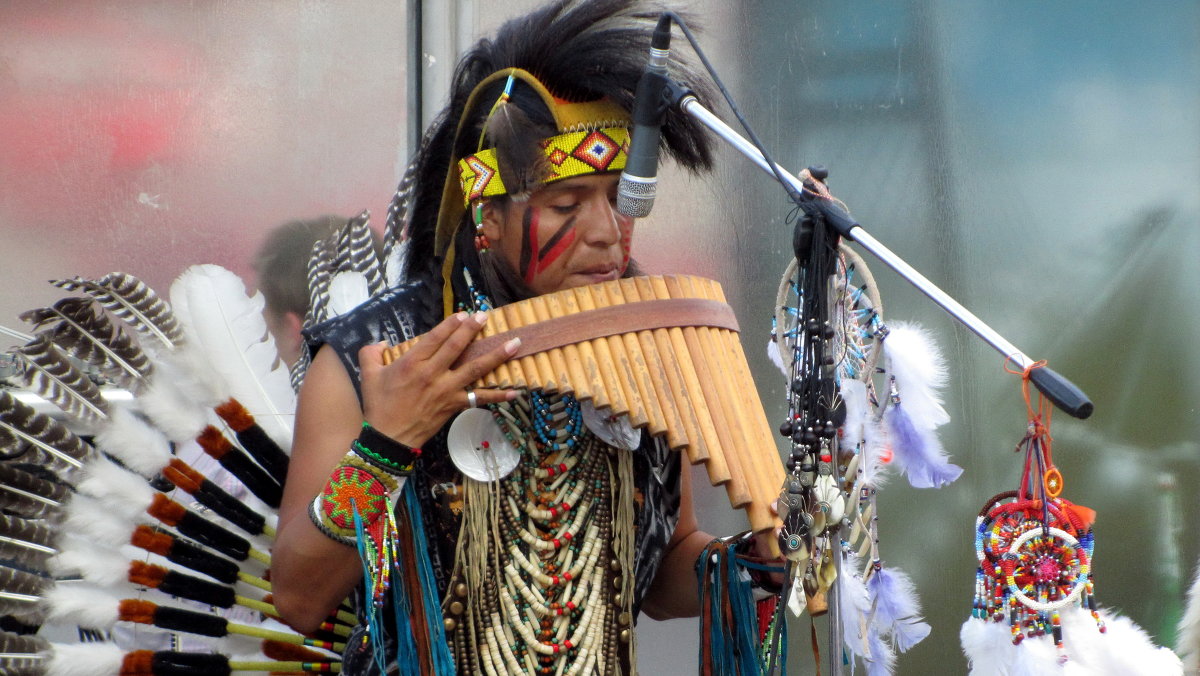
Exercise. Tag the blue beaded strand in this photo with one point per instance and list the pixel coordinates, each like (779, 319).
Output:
(544, 427)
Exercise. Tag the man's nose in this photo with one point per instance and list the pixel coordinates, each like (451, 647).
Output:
(603, 222)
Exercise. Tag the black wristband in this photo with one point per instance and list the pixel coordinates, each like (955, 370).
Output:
(384, 452)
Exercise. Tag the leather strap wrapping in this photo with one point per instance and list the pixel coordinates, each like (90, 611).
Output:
(607, 321)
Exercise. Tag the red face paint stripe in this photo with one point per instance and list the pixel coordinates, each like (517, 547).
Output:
(557, 251)
(562, 232)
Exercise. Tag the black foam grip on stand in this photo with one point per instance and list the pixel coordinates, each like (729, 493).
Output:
(1062, 392)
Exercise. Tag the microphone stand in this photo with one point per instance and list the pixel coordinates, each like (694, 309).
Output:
(1062, 392)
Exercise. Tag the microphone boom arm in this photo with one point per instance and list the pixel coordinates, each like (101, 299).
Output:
(1062, 392)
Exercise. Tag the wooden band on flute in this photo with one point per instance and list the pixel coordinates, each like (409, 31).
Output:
(645, 315)
(664, 352)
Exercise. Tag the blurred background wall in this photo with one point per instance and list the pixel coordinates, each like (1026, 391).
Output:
(1041, 162)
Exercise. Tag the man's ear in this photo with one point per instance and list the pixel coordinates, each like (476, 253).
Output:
(493, 220)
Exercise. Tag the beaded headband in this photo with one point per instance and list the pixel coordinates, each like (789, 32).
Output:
(573, 154)
(570, 118)
(592, 134)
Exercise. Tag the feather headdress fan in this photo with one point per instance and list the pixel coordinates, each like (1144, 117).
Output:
(119, 529)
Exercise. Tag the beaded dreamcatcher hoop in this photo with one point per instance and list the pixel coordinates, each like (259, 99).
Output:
(1034, 547)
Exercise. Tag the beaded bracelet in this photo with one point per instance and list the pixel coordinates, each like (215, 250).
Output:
(366, 480)
(385, 452)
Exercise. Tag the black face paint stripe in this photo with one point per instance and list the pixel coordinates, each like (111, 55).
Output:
(567, 227)
(526, 247)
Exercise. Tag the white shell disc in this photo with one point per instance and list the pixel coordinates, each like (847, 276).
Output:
(612, 430)
(478, 447)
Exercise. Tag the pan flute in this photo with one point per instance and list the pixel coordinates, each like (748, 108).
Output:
(662, 350)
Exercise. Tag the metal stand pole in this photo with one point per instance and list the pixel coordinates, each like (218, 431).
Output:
(1058, 389)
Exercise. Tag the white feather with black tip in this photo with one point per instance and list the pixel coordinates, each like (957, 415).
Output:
(228, 328)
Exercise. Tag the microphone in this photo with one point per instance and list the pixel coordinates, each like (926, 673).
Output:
(639, 180)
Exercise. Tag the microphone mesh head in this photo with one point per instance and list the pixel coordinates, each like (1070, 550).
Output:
(635, 198)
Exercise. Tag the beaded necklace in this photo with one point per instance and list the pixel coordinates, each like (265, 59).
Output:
(545, 568)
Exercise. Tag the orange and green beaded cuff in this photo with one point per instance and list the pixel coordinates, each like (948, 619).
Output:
(355, 485)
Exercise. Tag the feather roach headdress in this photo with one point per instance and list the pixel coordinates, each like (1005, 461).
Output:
(570, 52)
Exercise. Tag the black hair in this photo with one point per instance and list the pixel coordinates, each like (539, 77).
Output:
(580, 50)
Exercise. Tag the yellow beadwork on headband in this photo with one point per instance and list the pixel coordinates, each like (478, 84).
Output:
(576, 121)
(573, 154)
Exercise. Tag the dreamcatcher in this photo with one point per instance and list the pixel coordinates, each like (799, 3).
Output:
(1035, 609)
(862, 399)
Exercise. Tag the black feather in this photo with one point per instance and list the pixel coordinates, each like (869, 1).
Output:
(517, 140)
(28, 496)
(77, 327)
(49, 373)
(130, 299)
(44, 440)
(26, 542)
(581, 51)
(21, 594)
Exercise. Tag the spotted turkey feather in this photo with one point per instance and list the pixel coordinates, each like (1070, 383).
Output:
(49, 442)
(356, 251)
(90, 336)
(320, 268)
(21, 594)
(50, 374)
(395, 232)
(25, 542)
(130, 299)
(29, 496)
(23, 655)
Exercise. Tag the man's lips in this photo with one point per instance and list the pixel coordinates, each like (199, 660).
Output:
(601, 272)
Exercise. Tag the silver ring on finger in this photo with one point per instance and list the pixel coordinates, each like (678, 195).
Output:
(472, 400)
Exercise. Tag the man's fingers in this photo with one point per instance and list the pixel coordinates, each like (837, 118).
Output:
(484, 397)
(452, 347)
(431, 342)
(482, 365)
(370, 357)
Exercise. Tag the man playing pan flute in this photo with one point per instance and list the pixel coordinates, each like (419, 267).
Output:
(537, 567)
